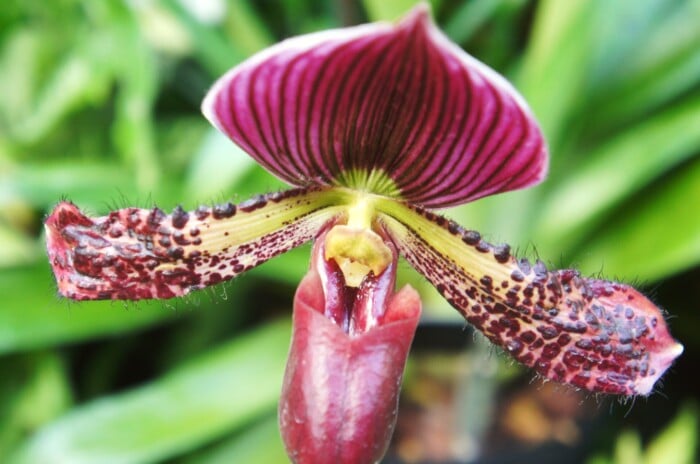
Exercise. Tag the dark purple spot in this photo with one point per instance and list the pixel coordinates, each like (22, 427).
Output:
(179, 217)
(224, 211)
(548, 332)
(573, 359)
(179, 238)
(618, 378)
(502, 253)
(214, 278)
(471, 237)
(453, 228)
(559, 372)
(528, 336)
(202, 212)
(517, 276)
(579, 327)
(540, 269)
(483, 247)
(513, 346)
(551, 350)
(155, 217)
(524, 266)
(581, 379)
(176, 252)
(252, 204)
(498, 308)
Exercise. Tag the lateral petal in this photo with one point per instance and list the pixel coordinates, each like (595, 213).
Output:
(394, 109)
(599, 335)
(134, 254)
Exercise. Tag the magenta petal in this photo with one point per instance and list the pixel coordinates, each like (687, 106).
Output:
(381, 101)
(340, 393)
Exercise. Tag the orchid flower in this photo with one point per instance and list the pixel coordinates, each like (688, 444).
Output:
(375, 127)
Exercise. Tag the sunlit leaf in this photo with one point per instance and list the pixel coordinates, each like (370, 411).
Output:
(33, 316)
(677, 444)
(245, 28)
(260, 443)
(16, 247)
(670, 65)
(469, 16)
(216, 167)
(211, 48)
(93, 185)
(628, 449)
(555, 62)
(658, 237)
(617, 169)
(35, 393)
(389, 10)
(203, 399)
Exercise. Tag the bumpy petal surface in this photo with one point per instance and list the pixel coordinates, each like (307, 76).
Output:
(598, 335)
(349, 347)
(134, 253)
(396, 110)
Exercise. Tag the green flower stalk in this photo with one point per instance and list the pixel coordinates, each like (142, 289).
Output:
(375, 127)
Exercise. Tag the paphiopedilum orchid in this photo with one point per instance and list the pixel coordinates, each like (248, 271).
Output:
(375, 126)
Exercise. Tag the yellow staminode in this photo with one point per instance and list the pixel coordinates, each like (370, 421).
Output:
(355, 247)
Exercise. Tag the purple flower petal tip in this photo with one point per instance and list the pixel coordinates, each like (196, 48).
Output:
(395, 109)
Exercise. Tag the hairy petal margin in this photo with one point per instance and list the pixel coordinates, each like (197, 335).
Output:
(598, 335)
(134, 253)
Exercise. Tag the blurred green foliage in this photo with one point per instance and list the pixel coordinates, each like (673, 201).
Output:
(676, 444)
(100, 105)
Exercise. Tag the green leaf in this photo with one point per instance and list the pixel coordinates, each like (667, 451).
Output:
(90, 184)
(677, 444)
(33, 316)
(555, 63)
(73, 83)
(389, 10)
(669, 65)
(16, 248)
(245, 29)
(261, 443)
(205, 398)
(470, 16)
(211, 48)
(628, 449)
(657, 236)
(36, 392)
(617, 169)
(217, 166)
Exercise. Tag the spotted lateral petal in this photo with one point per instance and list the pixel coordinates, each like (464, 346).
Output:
(598, 335)
(134, 254)
(396, 110)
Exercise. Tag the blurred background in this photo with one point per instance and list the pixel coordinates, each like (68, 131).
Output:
(100, 105)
